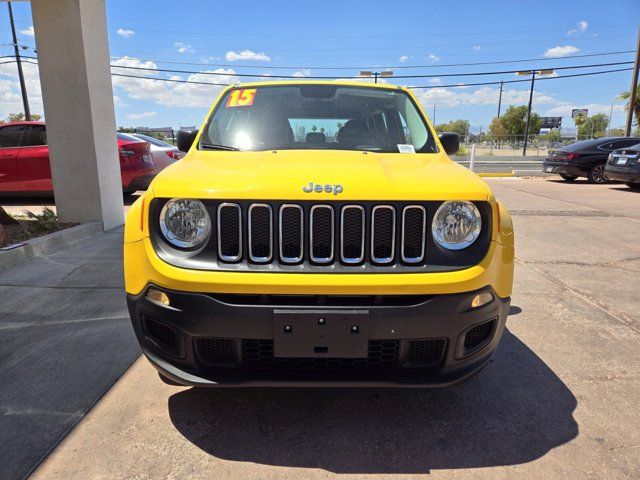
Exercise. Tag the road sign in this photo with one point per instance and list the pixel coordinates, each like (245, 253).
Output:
(579, 111)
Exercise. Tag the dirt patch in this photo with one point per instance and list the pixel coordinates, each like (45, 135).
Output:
(27, 229)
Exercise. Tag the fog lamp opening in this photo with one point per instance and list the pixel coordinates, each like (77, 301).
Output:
(481, 299)
(158, 297)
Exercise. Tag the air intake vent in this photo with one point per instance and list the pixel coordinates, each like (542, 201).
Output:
(383, 234)
(259, 354)
(414, 219)
(352, 226)
(322, 233)
(260, 232)
(164, 336)
(215, 351)
(427, 352)
(291, 233)
(479, 335)
(229, 232)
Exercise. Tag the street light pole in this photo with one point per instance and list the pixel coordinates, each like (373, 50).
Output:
(23, 87)
(526, 127)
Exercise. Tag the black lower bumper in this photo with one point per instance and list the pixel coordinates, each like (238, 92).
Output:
(630, 174)
(569, 169)
(241, 340)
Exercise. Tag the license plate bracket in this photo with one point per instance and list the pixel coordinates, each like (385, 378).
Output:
(321, 333)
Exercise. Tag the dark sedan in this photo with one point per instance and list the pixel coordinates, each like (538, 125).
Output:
(624, 165)
(587, 158)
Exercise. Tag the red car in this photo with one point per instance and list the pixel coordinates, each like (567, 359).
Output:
(24, 160)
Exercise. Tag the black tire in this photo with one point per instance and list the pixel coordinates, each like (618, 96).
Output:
(597, 174)
(567, 178)
(168, 381)
(633, 186)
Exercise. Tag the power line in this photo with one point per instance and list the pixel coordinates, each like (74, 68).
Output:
(330, 77)
(394, 67)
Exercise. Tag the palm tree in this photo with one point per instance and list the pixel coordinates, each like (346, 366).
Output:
(636, 105)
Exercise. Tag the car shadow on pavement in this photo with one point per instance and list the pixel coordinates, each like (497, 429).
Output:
(514, 411)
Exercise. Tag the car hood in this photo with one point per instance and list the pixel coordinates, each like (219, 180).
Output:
(282, 174)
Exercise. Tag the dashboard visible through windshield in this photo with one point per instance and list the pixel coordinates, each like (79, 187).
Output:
(317, 116)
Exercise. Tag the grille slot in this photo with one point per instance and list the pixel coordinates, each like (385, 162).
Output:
(229, 232)
(321, 233)
(215, 351)
(383, 234)
(291, 233)
(427, 352)
(352, 227)
(259, 354)
(260, 233)
(414, 219)
(479, 335)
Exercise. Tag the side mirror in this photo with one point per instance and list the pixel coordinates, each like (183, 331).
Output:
(185, 139)
(450, 142)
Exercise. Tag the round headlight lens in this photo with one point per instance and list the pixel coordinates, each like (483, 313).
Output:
(185, 223)
(456, 225)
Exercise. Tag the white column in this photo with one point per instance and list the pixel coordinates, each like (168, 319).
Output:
(73, 56)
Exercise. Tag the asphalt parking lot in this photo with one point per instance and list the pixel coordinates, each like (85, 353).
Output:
(559, 400)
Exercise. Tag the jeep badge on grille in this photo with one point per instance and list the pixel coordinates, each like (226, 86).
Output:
(335, 189)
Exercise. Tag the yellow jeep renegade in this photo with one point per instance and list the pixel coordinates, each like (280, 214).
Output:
(317, 233)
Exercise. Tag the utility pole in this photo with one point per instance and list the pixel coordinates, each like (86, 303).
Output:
(526, 126)
(634, 89)
(23, 87)
(610, 115)
(500, 98)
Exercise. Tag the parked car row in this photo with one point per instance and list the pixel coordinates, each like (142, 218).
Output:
(25, 168)
(599, 160)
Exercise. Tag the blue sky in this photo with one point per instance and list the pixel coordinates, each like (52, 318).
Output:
(262, 37)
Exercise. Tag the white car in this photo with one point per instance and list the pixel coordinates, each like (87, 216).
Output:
(163, 153)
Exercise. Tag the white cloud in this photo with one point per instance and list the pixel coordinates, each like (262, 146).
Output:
(435, 81)
(10, 97)
(141, 115)
(404, 58)
(232, 56)
(183, 47)
(125, 32)
(582, 27)
(28, 31)
(476, 47)
(453, 97)
(433, 57)
(172, 94)
(117, 102)
(563, 108)
(557, 52)
(305, 72)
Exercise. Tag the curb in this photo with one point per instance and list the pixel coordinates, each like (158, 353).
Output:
(496, 174)
(49, 243)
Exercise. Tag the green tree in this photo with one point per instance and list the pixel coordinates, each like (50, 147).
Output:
(461, 127)
(594, 126)
(616, 132)
(579, 120)
(515, 119)
(19, 117)
(497, 129)
(636, 106)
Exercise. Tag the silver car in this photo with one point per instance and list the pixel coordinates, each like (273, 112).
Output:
(163, 153)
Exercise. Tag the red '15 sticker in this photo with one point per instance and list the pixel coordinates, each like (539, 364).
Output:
(241, 98)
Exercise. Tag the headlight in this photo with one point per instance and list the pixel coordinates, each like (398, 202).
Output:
(185, 223)
(456, 225)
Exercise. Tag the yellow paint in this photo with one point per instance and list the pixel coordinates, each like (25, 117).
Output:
(280, 175)
(497, 174)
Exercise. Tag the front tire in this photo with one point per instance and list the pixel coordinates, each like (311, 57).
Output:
(597, 174)
(567, 178)
(633, 186)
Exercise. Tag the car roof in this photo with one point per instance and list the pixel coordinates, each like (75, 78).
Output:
(592, 143)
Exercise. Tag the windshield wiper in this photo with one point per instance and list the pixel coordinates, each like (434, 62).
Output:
(215, 146)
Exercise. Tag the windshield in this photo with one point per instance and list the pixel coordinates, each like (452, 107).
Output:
(317, 117)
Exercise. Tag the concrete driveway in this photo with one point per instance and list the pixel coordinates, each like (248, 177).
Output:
(559, 400)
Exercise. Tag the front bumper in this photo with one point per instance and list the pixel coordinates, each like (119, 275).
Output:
(629, 174)
(228, 339)
(572, 169)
